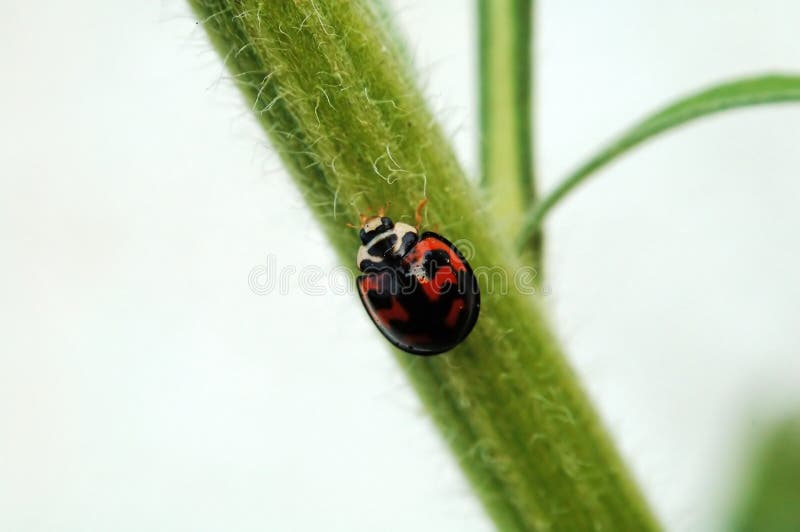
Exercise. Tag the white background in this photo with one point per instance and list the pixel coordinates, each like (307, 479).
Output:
(143, 386)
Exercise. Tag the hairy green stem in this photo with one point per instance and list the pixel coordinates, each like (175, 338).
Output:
(333, 92)
(505, 68)
(748, 92)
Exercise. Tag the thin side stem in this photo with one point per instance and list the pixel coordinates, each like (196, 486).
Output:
(505, 72)
(759, 90)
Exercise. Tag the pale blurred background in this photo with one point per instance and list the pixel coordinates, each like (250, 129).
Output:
(143, 386)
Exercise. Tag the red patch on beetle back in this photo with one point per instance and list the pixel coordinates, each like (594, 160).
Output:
(443, 279)
(396, 312)
(454, 313)
(432, 244)
(416, 339)
(370, 283)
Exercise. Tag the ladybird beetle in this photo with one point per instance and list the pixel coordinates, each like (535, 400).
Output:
(419, 290)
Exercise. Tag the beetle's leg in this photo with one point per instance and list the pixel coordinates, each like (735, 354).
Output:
(362, 218)
(418, 213)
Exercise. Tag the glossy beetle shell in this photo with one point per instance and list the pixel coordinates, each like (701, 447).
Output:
(426, 301)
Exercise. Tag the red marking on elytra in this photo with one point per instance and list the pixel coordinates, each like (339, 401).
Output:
(394, 313)
(431, 244)
(429, 290)
(370, 283)
(445, 274)
(443, 278)
(455, 311)
(416, 339)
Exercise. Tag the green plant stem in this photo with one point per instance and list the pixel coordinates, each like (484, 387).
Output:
(505, 68)
(748, 92)
(332, 91)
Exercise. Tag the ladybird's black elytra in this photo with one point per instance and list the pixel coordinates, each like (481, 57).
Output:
(419, 291)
